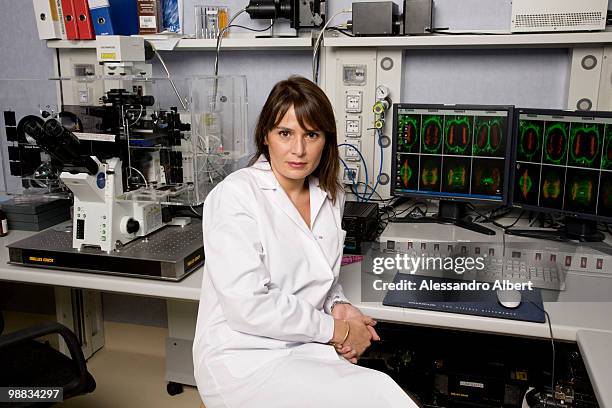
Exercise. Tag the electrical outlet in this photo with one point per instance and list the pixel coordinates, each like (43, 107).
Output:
(353, 125)
(350, 153)
(353, 101)
(350, 174)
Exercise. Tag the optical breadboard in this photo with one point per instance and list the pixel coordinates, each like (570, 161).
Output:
(169, 254)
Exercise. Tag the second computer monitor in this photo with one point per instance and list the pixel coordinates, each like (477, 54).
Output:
(458, 152)
(564, 163)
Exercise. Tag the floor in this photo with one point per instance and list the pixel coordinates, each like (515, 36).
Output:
(129, 369)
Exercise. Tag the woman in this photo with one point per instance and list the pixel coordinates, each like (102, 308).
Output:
(271, 304)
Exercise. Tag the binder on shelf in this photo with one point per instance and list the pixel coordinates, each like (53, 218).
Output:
(149, 16)
(100, 12)
(60, 14)
(72, 32)
(83, 20)
(114, 17)
(48, 19)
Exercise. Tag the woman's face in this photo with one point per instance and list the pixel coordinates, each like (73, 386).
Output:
(294, 152)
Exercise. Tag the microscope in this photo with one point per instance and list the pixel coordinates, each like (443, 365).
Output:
(100, 219)
(137, 154)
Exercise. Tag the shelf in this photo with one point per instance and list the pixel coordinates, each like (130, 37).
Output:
(236, 42)
(249, 42)
(539, 40)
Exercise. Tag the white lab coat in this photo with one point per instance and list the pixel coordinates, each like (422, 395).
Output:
(269, 283)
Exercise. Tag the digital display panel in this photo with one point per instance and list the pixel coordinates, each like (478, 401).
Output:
(564, 162)
(451, 153)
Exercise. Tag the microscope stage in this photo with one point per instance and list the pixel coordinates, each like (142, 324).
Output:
(170, 253)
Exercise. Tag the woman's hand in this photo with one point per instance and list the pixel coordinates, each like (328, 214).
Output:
(359, 338)
(344, 311)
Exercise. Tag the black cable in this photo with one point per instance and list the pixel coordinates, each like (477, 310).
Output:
(259, 30)
(504, 227)
(443, 30)
(380, 200)
(366, 190)
(552, 343)
(341, 30)
(486, 217)
(515, 221)
(411, 209)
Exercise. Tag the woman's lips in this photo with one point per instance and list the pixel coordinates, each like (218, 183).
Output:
(296, 165)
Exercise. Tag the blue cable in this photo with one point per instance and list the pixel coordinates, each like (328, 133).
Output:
(355, 186)
(365, 166)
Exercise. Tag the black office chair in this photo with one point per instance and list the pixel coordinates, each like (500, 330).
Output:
(25, 362)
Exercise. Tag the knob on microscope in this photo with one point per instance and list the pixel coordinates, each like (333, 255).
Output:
(132, 226)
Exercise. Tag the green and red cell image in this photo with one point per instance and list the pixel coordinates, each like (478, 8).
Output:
(408, 133)
(585, 145)
(530, 138)
(432, 134)
(407, 177)
(556, 140)
(456, 175)
(489, 136)
(431, 173)
(552, 182)
(458, 135)
(526, 183)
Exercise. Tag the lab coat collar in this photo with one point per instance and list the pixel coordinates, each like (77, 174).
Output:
(317, 197)
(266, 180)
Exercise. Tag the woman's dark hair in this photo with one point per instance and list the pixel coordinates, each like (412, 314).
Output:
(314, 112)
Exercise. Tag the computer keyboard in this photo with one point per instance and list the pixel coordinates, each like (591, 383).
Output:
(542, 274)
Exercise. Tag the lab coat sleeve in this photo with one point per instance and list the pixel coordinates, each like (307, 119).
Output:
(336, 294)
(234, 260)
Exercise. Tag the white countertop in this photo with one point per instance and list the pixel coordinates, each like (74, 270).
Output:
(568, 317)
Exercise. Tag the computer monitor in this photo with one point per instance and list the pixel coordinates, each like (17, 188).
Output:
(563, 164)
(457, 154)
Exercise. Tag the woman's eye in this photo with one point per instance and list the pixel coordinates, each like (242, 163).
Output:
(312, 135)
(283, 133)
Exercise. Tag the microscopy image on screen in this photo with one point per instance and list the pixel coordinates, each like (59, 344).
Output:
(585, 145)
(431, 134)
(430, 175)
(489, 137)
(552, 181)
(581, 190)
(447, 153)
(487, 176)
(606, 160)
(458, 135)
(408, 129)
(456, 175)
(530, 136)
(556, 138)
(604, 206)
(407, 177)
(526, 183)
